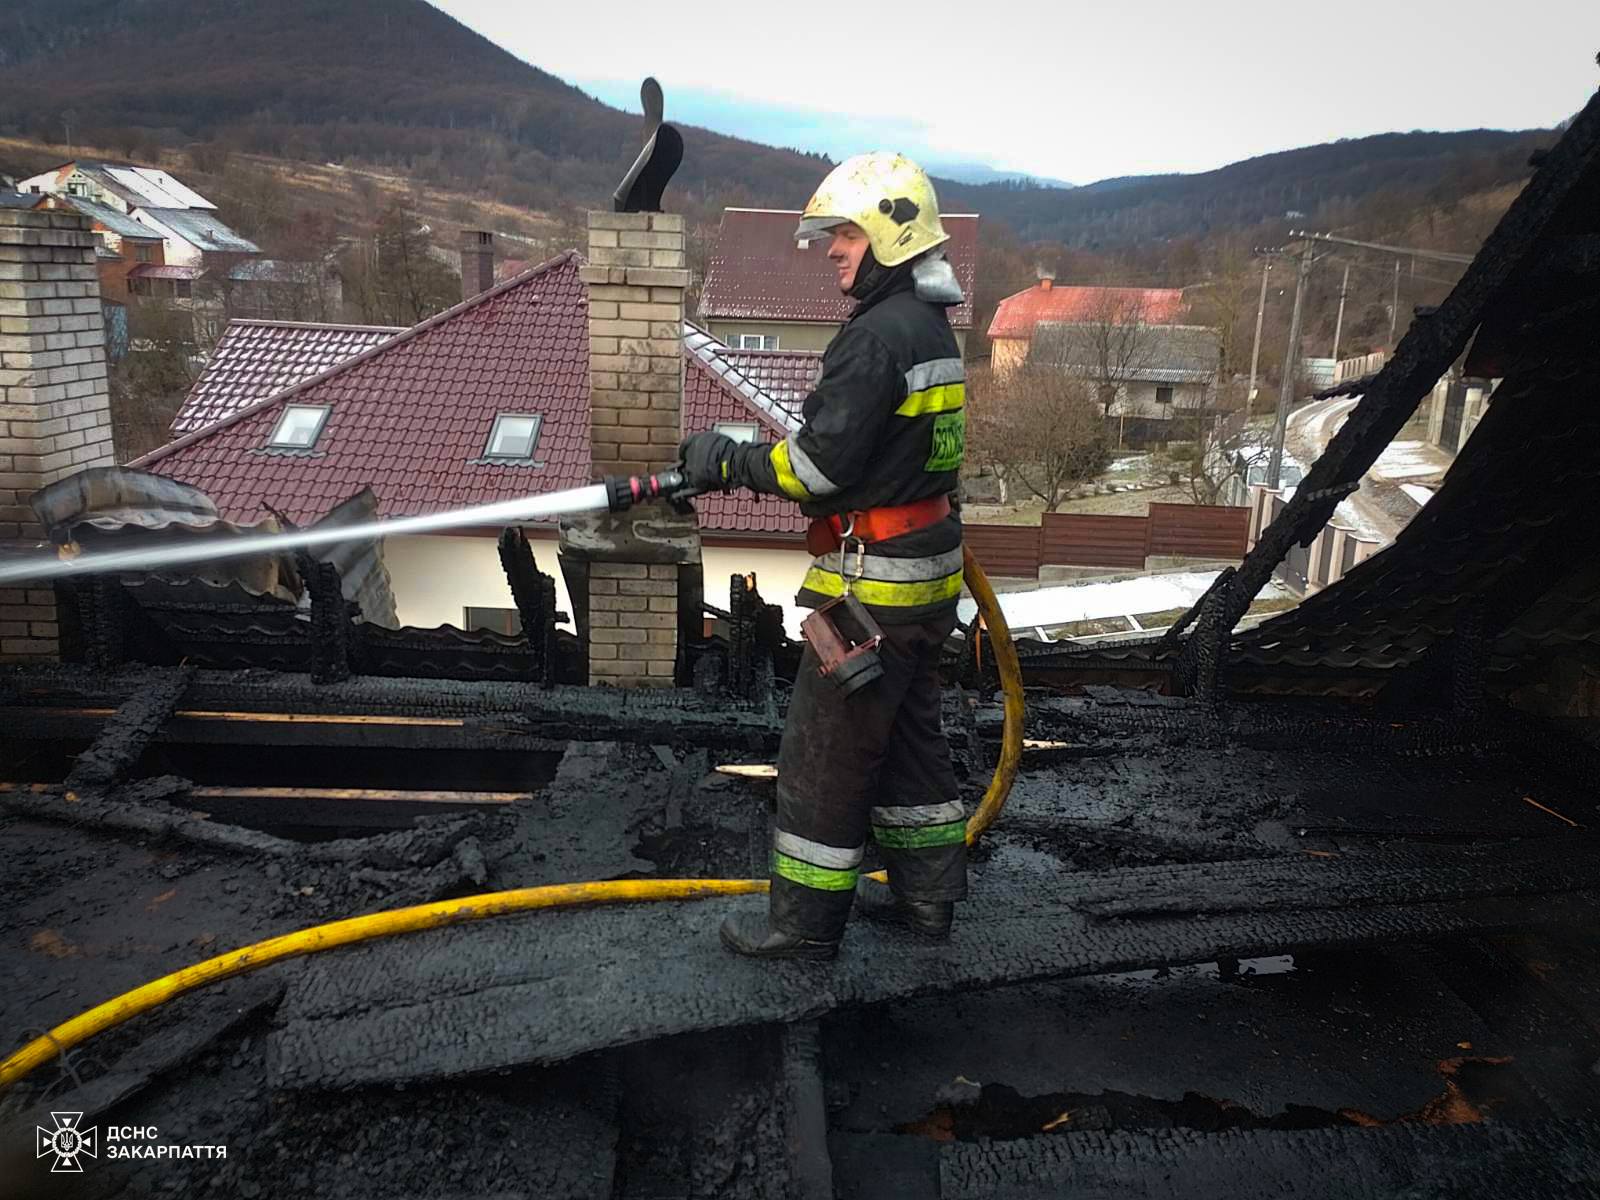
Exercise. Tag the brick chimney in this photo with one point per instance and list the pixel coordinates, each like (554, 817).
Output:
(634, 579)
(55, 413)
(477, 262)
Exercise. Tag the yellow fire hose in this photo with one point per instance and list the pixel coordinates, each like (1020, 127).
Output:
(493, 904)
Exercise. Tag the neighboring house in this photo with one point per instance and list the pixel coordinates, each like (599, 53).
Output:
(1017, 316)
(188, 223)
(198, 238)
(1165, 372)
(763, 291)
(485, 402)
(121, 244)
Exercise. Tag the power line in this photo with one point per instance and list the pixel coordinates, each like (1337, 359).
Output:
(1384, 248)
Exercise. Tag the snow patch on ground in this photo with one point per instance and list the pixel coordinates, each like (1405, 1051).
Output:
(1410, 460)
(1113, 598)
(1417, 493)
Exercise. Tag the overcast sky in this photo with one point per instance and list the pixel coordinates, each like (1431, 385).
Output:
(1078, 91)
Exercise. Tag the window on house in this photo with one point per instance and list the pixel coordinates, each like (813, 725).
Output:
(299, 426)
(513, 436)
(183, 289)
(77, 187)
(144, 252)
(1163, 395)
(501, 620)
(758, 341)
(739, 431)
(138, 287)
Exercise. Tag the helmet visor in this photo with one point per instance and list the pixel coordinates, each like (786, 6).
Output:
(812, 228)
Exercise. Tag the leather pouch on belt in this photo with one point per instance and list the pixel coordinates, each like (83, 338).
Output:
(821, 537)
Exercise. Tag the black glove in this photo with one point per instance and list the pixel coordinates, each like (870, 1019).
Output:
(708, 461)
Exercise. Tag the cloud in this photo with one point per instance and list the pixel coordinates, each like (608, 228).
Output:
(834, 134)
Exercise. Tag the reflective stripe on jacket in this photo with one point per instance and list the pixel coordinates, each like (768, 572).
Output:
(885, 425)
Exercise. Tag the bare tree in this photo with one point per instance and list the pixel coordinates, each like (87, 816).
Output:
(395, 276)
(1037, 429)
(149, 383)
(1111, 345)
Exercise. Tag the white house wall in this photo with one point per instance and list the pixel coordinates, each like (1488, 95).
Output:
(179, 252)
(1136, 399)
(778, 575)
(436, 578)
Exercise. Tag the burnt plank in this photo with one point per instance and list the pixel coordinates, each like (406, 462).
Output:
(554, 985)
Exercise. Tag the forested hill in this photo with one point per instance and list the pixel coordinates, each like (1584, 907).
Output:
(1327, 184)
(389, 82)
(399, 85)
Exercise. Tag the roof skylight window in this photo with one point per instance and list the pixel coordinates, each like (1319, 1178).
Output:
(739, 431)
(299, 427)
(513, 437)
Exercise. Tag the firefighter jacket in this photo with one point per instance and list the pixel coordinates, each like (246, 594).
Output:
(885, 425)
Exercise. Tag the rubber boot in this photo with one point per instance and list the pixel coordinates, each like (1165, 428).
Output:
(927, 918)
(750, 935)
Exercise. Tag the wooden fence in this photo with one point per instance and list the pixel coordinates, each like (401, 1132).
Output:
(1010, 550)
(1120, 543)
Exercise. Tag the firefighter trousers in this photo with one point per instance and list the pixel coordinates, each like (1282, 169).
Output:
(873, 761)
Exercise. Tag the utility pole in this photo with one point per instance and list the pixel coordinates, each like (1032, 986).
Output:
(1338, 325)
(1291, 367)
(1394, 309)
(1255, 350)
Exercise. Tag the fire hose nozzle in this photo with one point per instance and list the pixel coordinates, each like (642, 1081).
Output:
(624, 491)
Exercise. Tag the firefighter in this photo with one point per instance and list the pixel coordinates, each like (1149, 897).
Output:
(874, 465)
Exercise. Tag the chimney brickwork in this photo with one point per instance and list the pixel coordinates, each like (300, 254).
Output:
(55, 414)
(477, 262)
(636, 277)
(634, 578)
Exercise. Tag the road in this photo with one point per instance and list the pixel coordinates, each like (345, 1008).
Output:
(1391, 491)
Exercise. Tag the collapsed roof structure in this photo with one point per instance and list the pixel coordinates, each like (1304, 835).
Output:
(1305, 909)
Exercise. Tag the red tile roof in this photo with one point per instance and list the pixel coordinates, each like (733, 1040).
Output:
(411, 410)
(713, 393)
(255, 359)
(786, 375)
(758, 273)
(1017, 315)
(411, 416)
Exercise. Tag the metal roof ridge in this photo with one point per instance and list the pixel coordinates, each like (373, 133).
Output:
(743, 388)
(188, 439)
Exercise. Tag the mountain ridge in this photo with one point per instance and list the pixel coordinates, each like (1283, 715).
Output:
(428, 96)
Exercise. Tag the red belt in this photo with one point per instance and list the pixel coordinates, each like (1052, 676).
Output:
(876, 524)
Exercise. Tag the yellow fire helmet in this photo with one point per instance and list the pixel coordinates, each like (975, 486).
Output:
(888, 196)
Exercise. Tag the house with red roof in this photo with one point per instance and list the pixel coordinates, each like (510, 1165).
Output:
(486, 401)
(1017, 317)
(765, 291)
